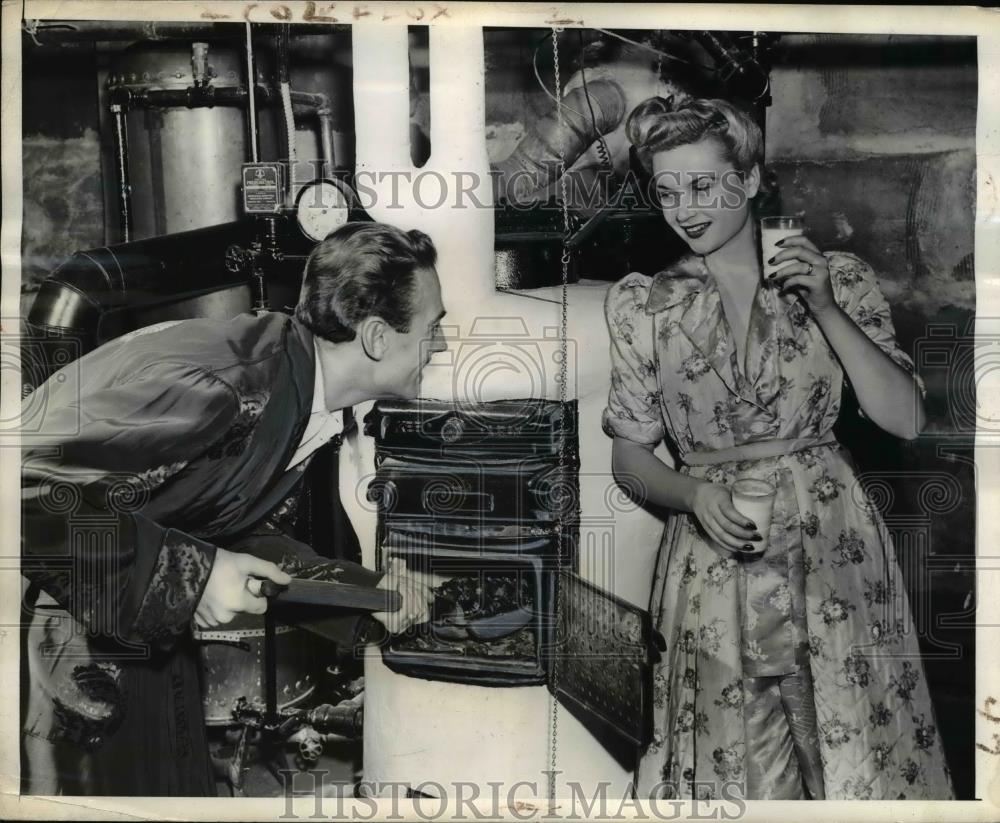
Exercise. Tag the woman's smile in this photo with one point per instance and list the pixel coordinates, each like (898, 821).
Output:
(695, 230)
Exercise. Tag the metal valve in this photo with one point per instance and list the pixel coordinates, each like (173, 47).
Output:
(311, 746)
(237, 259)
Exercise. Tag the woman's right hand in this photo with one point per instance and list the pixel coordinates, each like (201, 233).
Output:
(713, 505)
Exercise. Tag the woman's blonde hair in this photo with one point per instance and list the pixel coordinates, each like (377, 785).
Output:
(658, 124)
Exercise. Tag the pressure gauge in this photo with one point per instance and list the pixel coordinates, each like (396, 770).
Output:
(322, 207)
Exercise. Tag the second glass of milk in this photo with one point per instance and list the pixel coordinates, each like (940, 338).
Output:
(755, 499)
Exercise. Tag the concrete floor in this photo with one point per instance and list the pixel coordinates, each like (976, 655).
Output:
(337, 770)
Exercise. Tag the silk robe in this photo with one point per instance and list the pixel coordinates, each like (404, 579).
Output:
(153, 450)
(827, 597)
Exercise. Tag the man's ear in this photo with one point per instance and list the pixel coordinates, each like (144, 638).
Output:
(374, 335)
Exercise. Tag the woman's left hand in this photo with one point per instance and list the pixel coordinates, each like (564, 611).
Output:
(806, 274)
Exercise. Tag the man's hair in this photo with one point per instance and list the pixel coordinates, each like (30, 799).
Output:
(362, 270)
(658, 124)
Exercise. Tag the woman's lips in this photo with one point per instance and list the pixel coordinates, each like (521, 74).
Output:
(696, 230)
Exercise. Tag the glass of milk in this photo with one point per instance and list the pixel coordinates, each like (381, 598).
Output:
(755, 499)
(773, 229)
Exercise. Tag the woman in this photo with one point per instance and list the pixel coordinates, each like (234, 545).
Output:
(789, 673)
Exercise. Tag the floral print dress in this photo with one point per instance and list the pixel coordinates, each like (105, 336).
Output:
(815, 635)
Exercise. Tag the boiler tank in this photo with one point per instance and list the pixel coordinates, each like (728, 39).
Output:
(184, 162)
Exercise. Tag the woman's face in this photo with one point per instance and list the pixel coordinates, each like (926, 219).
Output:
(703, 197)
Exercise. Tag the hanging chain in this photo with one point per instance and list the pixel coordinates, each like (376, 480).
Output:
(561, 380)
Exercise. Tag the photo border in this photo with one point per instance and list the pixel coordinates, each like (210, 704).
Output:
(936, 20)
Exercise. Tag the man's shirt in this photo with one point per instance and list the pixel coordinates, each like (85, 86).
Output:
(323, 424)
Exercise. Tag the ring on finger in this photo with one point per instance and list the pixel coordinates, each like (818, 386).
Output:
(810, 269)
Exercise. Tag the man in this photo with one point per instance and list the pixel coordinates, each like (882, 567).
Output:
(180, 440)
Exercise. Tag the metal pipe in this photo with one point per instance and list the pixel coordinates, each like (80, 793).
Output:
(325, 116)
(121, 172)
(199, 64)
(251, 89)
(313, 99)
(90, 286)
(191, 97)
(268, 253)
(345, 719)
(285, 89)
(324, 113)
(289, 131)
(283, 44)
(195, 96)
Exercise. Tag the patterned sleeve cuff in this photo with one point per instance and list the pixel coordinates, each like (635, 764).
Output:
(182, 569)
(615, 425)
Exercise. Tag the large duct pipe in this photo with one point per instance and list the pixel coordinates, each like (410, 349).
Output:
(533, 165)
(75, 302)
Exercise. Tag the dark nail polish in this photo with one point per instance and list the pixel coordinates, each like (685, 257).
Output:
(770, 262)
(751, 525)
(771, 275)
(756, 536)
(747, 547)
(781, 242)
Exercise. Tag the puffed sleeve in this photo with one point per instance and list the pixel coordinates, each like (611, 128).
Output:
(633, 409)
(857, 292)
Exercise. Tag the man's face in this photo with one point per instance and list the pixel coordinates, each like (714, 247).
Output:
(407, 353)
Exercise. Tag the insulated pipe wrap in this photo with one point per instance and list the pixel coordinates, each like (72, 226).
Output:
(74, 299)
(532, 165)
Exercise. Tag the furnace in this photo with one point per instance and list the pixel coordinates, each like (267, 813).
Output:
(486, 497)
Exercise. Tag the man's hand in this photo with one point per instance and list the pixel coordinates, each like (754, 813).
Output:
(417, 598)
(234, 587)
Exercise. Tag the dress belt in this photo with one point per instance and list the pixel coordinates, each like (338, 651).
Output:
(759, 450)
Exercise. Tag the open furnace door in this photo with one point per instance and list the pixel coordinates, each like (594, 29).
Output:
(601, 661)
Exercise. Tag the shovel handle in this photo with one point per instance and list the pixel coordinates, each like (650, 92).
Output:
(332, 595)
(268, 588)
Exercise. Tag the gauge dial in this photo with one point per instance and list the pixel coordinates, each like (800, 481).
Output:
(322, 207)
